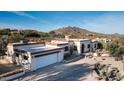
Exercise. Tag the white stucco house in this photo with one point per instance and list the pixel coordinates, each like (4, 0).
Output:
(83, 45)
(33, 56)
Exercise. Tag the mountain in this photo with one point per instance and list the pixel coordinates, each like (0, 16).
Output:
(117, 34)
(8, 31)
(76, 32)
(73, 32)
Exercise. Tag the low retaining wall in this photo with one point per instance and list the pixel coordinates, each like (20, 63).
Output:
(11, 75)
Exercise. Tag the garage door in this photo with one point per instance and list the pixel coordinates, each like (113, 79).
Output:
(42, 61)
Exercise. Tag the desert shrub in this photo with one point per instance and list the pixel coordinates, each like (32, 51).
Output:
(100, 46)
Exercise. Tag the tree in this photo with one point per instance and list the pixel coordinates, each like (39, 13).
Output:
(119, 51)
(112, 48)
(3, 45)
(121, 40)
(116, 50)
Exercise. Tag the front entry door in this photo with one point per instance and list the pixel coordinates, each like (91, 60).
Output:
(82, 48)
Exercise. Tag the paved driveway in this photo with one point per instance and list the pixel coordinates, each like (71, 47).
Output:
(74, 71)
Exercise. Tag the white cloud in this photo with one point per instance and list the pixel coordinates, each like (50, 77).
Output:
(24, 14)
(20, 13)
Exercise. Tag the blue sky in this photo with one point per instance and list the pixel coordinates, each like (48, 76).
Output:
(105, 22)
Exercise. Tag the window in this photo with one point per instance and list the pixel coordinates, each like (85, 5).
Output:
(94, 45)
(16, 54)
(88, 46)
(66, 48)
(75, 48)
(25, 57)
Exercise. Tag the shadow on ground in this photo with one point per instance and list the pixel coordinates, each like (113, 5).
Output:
(60, 72)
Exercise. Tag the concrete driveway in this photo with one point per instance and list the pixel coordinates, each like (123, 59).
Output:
(74, 71)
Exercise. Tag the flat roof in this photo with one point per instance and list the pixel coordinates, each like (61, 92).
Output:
(58, 43)
(36, 50)
(29, 43)
(79, 40)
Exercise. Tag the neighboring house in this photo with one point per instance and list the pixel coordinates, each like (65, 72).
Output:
(34, 55)
(104, 40)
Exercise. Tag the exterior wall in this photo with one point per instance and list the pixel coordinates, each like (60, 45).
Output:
(10, 50)
(79, 46)
(42, 61)
(86, 43)
(65, 52)
(61, 46)
(93, 46)
(61, 55)
(21, 61)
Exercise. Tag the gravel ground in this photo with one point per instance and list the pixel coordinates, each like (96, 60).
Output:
(80, 70)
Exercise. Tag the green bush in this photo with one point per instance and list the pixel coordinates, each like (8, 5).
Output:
(112, 48)
(116, 50)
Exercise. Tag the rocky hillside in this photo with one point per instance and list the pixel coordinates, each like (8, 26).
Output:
(76, 32)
